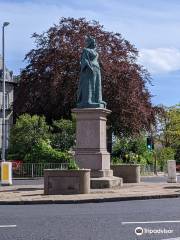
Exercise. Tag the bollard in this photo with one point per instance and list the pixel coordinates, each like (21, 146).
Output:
(6, 173)
(172, 178)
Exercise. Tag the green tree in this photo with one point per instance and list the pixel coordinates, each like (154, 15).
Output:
(168, 126)
(173, 125)
(63, 134)
(43, 152)
(49, 82)
(164, 154)
(26, 133)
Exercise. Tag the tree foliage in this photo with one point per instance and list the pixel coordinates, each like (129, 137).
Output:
(177, 154)
(30, 141)
(132, 150)
(43, 152)
(49, 82)
(168, 126)
(63, 134)
(164, 154)
(26, 133)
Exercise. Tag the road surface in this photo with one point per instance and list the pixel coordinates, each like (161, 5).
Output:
(95, 221)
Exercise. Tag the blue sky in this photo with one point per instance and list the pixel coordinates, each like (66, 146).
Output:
(152, 26)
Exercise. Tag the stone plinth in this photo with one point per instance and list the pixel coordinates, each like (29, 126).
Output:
(91, 148)
(172, 177)
(66, 181)
(129, 172)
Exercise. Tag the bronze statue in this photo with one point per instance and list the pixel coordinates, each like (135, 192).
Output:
(90, 89)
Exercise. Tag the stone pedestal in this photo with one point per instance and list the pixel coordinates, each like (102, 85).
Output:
(172, 177)
(91, 147)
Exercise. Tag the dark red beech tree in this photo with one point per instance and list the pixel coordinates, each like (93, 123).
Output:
(48, 84)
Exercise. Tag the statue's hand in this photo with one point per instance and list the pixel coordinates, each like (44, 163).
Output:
(87, 67)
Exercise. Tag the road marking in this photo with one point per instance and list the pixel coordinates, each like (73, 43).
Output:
(172, 238)
(8, 226)
(176, 221)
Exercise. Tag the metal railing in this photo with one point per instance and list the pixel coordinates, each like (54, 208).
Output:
(35, 169)
(149, 169)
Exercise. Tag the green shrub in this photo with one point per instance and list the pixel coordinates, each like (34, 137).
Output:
(32, 140)
(26, 134)
(13, 156)
(43, 152)
(120, 148)
(63, 134)
(147, 158)
(72, 165)
(132, 150)
(116, 160)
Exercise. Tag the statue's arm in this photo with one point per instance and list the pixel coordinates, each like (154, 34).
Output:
(85, 61)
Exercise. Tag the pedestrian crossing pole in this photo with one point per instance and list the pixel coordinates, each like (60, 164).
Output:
(6, 167)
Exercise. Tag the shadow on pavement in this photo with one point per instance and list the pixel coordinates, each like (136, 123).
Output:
(21, 190)
(173, 187)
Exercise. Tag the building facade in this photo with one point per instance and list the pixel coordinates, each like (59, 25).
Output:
(9, 98)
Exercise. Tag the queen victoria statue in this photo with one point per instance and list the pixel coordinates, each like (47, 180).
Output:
(90, 89)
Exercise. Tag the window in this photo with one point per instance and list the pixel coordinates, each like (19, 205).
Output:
(6, 100)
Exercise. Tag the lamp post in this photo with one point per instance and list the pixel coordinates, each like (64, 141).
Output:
(6, 167)
(4, 92)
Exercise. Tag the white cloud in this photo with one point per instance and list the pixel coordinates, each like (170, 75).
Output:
(160, 60)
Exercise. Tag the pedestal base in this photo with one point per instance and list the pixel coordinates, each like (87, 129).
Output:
(91, 147)
(106, 182)
(101, 173)
(172, 180)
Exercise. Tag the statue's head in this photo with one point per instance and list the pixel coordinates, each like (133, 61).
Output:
(90, 42)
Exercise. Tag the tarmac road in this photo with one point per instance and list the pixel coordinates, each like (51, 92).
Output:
(93, 221)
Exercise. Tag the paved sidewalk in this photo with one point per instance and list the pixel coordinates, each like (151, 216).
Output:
(33, 194)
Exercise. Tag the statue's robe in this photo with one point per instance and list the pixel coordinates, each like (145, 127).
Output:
(90, 90)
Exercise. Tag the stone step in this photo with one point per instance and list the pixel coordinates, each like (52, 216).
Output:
(101, 173)
(106, 182)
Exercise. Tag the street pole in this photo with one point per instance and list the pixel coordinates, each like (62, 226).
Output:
(154, 153)
(6, 167)
(3, 99)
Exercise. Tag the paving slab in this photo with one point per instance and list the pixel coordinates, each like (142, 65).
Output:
(34, 194)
